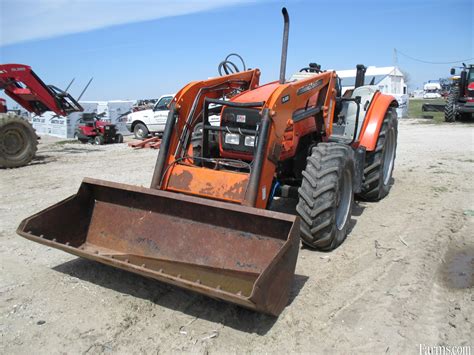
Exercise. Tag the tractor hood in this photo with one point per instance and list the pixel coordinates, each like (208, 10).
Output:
(261, 93)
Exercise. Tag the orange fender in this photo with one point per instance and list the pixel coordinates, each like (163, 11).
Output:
(374, 119)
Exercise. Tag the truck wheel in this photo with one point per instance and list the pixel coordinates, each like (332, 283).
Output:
(99, 140)
(326, 196)
(140, 131)
(379, 164)
(118, 138)
(18, 141)
(450, 108)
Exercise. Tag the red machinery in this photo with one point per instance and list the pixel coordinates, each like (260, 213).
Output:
(18, 139)
(3, 105)
(460, 102)
(92, 129)
(21, 83)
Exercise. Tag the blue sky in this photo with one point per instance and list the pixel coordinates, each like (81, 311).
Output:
(149, 48)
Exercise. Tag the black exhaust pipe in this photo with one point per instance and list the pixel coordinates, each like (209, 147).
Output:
(360, 75)
(284, 49)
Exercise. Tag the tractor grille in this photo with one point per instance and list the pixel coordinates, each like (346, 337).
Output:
(245, 122)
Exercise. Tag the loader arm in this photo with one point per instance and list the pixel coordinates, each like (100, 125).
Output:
(185, 109)
(278, 105)
(22, 84)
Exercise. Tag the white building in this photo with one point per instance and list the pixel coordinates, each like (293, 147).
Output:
(64, 127)
(389, 80)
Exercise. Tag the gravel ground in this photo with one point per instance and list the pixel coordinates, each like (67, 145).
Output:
(404, 276)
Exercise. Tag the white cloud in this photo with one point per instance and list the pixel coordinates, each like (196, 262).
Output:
(24, 20)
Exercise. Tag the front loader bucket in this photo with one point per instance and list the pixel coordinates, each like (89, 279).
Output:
(234, 253)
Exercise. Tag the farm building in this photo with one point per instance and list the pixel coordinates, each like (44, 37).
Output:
(389, 80)
(64, 127)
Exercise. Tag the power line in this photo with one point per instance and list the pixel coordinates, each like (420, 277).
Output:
(429, 62)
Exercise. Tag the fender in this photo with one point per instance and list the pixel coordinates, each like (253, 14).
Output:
(374, 119)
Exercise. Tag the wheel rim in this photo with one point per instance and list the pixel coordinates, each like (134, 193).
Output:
(389, 157)
(140, 132)
(344, 200)
(14, 141)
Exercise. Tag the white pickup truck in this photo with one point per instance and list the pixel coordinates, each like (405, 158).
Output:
(151, 121)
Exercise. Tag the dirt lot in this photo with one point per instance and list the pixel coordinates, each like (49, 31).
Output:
(404, 277)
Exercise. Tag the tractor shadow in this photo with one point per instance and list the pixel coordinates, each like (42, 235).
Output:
(41, 159)
(70, 149)
(174, 298)
(49, 155)
(53, 154)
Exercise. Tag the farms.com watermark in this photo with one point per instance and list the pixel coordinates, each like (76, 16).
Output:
(445, 350)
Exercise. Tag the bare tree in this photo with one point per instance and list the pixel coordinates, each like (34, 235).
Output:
(406, 75)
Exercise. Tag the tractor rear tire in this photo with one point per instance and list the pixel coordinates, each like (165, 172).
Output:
(379, 164)
(326, 196)
(450, 107)
(18, 141)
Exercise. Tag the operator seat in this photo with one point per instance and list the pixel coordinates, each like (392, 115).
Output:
(345, 126)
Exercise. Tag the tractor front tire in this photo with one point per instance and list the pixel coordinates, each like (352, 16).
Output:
(379, 164)
(99, 140)
(450, 107)
(326, 196)
(118, 138)
(18, 141)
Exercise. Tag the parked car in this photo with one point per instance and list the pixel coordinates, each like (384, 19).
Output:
(150, 121)
(432, 90)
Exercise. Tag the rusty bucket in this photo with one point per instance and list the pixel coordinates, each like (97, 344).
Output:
(238, 254)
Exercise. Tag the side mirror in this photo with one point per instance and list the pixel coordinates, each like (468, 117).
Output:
(453, 71)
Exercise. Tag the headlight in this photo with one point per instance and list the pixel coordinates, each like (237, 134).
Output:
(249, 141)
(232, 139)
(214, 120)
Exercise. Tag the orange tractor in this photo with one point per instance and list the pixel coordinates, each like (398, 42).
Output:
(204, 223)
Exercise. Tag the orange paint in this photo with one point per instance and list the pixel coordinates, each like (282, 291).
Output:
(215, 184)
(374, 119)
